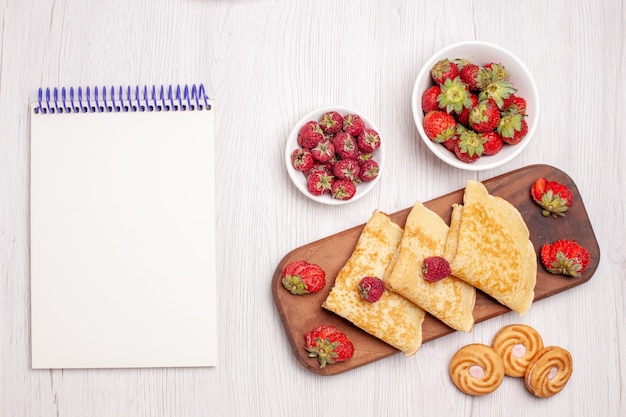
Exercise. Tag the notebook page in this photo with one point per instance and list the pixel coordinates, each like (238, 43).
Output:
(123, 240)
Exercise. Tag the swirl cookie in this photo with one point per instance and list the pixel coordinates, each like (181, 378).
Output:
(517, 344)
(548, 372)
(477, 369)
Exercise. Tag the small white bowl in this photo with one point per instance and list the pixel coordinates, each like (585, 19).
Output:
(299, 178)
(479, 53)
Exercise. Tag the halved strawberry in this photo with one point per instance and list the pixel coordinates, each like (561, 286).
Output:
(565, 257)
(553, 197)
(328, 344)
(301, 277)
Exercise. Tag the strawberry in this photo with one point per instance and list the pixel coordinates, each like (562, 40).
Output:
(463, 117)
(514, 104)
(301, 277)
(429, 98)
(368, 170)
(454, 96)
(498, 91)
(371, 289)
(497, 71)
(435, 268)
(343, 189)
(345, 145)
(319, 182)
(484, 117)
(331, 122)
(346, 169)
(310, 135)
(553, 197)
(565, 257)
(470, 146)
(475, 77)
(439, 125)
(368, 140)
(443, 70)
(328, 344)
(324, 151)
(512, 128)
(461, 63)
(353, 124)
(493, 143)
(302, 159)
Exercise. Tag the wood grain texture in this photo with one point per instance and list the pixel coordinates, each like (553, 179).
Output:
(267, 63)
(300, 314)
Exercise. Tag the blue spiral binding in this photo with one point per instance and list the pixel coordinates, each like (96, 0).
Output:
(100, 100)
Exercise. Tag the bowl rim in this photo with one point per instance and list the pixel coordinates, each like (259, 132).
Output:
(442, 153)
(292, 143)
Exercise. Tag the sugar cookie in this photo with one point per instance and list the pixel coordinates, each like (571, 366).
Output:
(517, 344)
(477, 369)
(549, 371)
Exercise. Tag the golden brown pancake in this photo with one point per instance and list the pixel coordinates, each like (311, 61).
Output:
(451, 300)
(393, 319)
(490, 248)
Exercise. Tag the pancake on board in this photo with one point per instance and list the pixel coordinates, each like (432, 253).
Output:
(489, 247)
(393, 319)
(450, 299)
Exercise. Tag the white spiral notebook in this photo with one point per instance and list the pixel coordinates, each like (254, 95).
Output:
(123, 228)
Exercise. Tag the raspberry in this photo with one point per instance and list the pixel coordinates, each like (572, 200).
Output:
(435, 268)
(371, 289)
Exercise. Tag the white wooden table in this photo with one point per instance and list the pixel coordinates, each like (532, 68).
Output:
(266, 64)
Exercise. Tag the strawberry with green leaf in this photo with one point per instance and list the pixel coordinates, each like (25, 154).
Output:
(328, 344)
(565, 257)
(553, 197)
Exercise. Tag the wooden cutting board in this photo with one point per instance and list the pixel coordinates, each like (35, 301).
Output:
(300, 314)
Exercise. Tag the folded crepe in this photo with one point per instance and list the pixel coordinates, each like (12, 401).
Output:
(451, 300)
(393, 319)
(489, 247)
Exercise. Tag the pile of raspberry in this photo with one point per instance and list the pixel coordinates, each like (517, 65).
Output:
(336, 153)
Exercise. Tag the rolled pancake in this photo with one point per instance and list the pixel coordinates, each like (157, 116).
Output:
(393, 319)
(451, 300)
(490, 248)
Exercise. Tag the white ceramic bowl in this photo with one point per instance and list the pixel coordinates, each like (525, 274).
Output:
(298, 177)
(479, 53)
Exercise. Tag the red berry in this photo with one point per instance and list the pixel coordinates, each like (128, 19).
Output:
(331, 122)
(301, 277)
(429, 98)
(553, 197)
(443, 70)
(369, 170)
(353, 124)
(371, 289)
(485, 116)
(324, 151)
(439, 125)
(565, 257)
(328, 344)
(302, 159)
(346, 169)
(310, 135)
(319, 182)
(492, 143)
(435, 268)
(343, 189)
(368, 140)
(345, 145)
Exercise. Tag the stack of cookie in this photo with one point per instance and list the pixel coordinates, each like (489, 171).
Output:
(518, 351)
